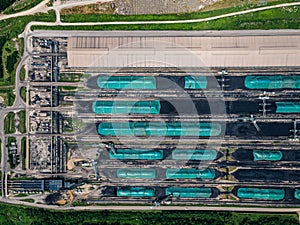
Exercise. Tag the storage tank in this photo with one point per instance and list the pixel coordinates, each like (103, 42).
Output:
(126, 107)
(261, 193)
(126, 82)
(179, 192)
(190, 173)
(195, 82)
(135, 192)
(159, 129)
(272, 82)
(136, 173)
(194, 154)
(267, 155)
(136, 154)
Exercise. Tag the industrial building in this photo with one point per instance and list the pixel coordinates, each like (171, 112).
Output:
(200, 117)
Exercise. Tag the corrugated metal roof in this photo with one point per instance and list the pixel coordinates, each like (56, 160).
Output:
(189, 51)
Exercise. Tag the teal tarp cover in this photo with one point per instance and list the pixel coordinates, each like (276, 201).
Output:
(288, 107)
(126, 107)
(136, 173)
(190, 173)
(194, 154)
(179, 192)
(126, 82)
(136, 154)
(267, 155)
(272, 82)
(259, 193)
(135, 192)
(159, 129)
(195, 82)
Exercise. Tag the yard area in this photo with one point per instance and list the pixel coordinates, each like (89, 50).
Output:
(9, 123)
(22, 123)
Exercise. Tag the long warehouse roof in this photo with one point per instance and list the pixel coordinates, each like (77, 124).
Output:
(183, 51)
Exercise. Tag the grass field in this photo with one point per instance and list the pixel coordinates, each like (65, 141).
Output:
(10, 214)
(68, 88)
(9, 123)
(5, 3)
(11, 50)
(21, 195)
(70, 77)
(0, 150)
(27, 200)
(281, 18)
(214, 10)
(22, 124)
(23, 152)
(23, 93)
(22, 74)
(21, 5)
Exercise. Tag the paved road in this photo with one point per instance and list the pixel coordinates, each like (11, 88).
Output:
(202, 33)
(19, 103)
(59, 6)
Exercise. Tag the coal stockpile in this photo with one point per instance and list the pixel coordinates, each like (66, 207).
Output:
(53, 198)
(291, 155)
(251, 175)
(243, 154)
(247, 130)
(175, 107)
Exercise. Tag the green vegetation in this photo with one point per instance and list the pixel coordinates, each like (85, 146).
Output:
(10, 157)
(23, 93)
(9, 123)
(69, 88)
(72, 124)
(10, 214)
(5, 3)
(22, 124)
(23, 152)
(21, 5)
(21, 195)
(27, 200)
(2, 42)
(77, 124)
(11, 53)
(22, 74)
(50, 3)
(11, 61)
(10, 97)
(183, 16)
(22, 178)
(0, 152)
(7, 69)
(11, 28)
(11, 50)
(68, 125)
(70, 77)
(281, 18)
